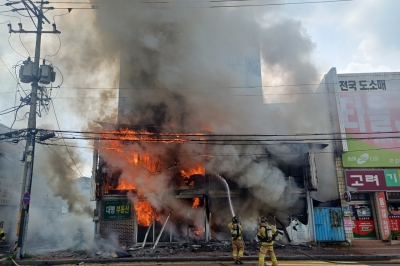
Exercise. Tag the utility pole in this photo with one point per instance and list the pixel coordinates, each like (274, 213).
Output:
(31, 73)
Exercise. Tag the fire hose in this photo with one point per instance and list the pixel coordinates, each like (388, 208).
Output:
(255, 239)
(315, 258)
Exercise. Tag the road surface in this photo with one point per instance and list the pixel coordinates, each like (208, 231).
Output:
(281, 263)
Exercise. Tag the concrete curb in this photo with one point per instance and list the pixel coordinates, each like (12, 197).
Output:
(200, 259)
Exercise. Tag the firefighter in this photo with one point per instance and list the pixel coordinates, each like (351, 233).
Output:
(237, 242)
(2, 235)
(267, 234)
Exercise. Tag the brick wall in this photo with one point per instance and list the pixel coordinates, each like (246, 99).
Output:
(123, 229)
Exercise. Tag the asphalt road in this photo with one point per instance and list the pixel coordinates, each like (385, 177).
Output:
(282, 263)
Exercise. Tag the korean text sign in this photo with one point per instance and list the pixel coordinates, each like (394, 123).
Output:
(370, 117)
(117, 209)
(372, 180)
(383, 215)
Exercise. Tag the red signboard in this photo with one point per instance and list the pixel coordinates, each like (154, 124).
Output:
(383, 215)
(368, 180)
(364, 229)
(395, 225)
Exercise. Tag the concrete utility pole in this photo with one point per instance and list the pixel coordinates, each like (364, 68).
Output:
(23, 215)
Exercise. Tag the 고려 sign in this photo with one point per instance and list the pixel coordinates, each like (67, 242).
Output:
(372, 180)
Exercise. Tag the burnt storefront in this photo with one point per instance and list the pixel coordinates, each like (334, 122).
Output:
(152, 187)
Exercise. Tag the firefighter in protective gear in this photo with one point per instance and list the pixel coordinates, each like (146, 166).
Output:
(237, 242)
(267, 234)
(2, 235)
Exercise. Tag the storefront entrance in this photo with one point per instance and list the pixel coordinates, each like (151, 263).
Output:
(362, 217)
(393, 203)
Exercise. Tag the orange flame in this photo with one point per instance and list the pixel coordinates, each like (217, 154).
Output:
(196, 203)
(144, 213)
(196, 170)
(198, 232)
(134, 158)
(124, 185)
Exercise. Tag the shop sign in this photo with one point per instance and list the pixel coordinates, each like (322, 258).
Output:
(392, 178)
(383, 215)
(395, 225)
(368, 113)
(348, 225)
(393, 195)
(364, 229)
(370, 180)
(117, 210)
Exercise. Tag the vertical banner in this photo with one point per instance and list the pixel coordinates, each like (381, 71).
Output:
(383, 215)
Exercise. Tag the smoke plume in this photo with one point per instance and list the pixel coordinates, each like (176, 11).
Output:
(181, 70)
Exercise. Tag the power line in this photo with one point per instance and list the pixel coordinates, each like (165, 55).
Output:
(13, 47)
(10, 17)
(60, 159)
(24, 45)
(8, 69)
(225, 154)
(212, 1)
(128, 132)
(223, 141)
(58, 50)
(280, 4)
(2, 155)
(54, 109)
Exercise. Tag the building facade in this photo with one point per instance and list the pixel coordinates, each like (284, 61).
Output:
(10, 184)
(363, 115)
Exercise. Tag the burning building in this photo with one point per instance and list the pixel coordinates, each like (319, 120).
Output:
(146, 180)
(189, 104)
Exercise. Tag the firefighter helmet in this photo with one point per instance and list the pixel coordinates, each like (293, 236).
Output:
(264, 219)
(235, 220)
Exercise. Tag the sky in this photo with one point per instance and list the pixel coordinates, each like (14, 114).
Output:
(353, 36)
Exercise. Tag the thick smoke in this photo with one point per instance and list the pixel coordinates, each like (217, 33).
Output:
(55, 166)
(179, 72)
(51, 226)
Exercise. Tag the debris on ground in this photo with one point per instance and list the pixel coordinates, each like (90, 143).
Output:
(210, 249)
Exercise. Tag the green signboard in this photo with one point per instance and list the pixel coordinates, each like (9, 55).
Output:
(392, 178)
(362, 154)
(117, 210)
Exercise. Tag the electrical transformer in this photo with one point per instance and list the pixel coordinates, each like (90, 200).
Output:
(27, 72)
(47, 75)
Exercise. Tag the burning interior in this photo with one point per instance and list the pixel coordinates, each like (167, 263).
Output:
(160, 158)
(152, 186)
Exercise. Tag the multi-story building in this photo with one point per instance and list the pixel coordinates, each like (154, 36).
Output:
(364, 119)
(162, 93)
